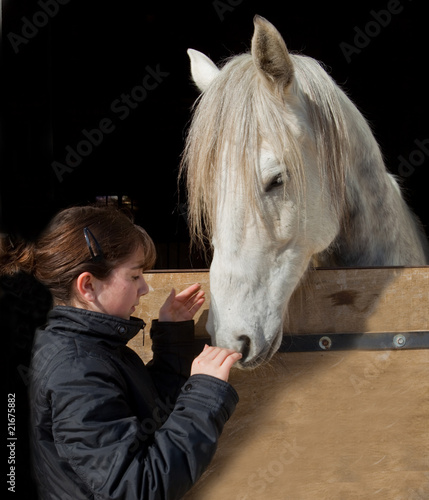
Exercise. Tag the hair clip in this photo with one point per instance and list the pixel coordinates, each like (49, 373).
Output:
(95, 257)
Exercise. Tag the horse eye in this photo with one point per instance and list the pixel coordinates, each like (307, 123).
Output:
(274, 183)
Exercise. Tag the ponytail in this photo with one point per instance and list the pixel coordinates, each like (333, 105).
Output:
(16, 256)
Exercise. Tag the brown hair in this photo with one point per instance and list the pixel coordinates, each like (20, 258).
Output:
(62, 253)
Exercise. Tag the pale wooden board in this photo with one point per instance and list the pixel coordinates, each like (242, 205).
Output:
(328, 301)
(160, 285)
(361, 300)
(332, 425)
(326, 426)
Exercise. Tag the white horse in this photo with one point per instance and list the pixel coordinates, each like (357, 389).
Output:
(283, 173)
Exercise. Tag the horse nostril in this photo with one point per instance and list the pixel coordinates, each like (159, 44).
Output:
(245, 346)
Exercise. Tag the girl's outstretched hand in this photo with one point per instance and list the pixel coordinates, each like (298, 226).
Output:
(184, 305)
(215, 361)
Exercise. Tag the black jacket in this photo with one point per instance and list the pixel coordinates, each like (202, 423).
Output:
(105, 426)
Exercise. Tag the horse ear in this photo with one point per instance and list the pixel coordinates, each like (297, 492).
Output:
(270, 54)
(203, 69)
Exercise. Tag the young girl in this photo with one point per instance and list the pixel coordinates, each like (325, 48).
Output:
(104, 425)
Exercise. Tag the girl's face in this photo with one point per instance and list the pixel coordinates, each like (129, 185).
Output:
(120, 293)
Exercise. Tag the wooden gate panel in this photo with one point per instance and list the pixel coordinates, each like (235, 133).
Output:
(331, 425)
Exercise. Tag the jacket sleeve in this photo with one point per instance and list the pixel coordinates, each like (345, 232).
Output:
(174, 349)
(118, 457)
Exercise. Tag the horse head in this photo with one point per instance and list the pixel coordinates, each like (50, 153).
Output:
(267, 158)
(267, 207)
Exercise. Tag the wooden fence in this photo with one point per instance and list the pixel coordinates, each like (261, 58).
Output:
(325, 423)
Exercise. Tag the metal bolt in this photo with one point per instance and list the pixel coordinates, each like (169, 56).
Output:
(399, 340)
(325, 343)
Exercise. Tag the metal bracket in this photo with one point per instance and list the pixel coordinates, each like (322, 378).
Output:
(355, 341)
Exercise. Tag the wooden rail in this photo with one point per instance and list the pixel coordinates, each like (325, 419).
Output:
(329, 301)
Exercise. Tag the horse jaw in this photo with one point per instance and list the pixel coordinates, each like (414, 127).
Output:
(203, 69)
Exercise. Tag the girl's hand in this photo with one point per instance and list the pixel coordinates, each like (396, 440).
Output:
(184, 305)
(215, 361)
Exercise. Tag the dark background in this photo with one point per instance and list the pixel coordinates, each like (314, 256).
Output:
(67, 73)
(65, 78)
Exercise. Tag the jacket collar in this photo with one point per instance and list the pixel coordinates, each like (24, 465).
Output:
(82, 321)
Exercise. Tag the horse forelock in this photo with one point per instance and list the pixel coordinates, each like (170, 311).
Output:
(237, 113)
